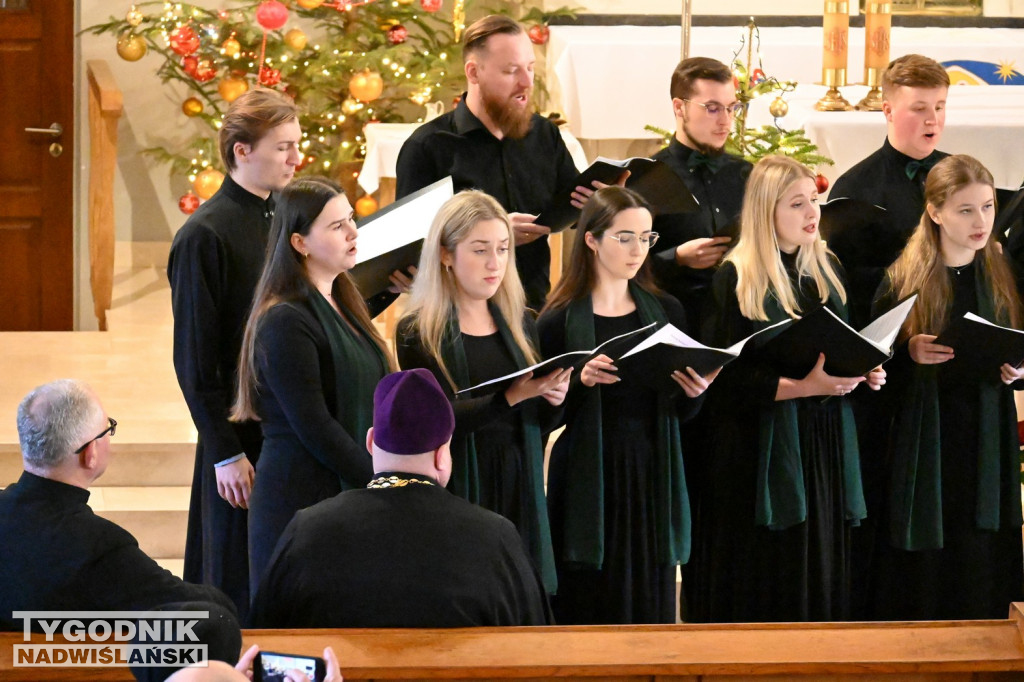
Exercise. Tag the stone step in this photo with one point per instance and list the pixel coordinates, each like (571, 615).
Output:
(131, 464)
(156, 515)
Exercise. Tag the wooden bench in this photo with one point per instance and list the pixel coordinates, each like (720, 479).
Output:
(918, 652)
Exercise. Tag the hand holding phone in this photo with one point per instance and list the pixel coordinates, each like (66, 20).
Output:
(270, 666)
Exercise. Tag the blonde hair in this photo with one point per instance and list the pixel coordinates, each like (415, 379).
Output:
(921, 268)
(433, 295)
(759, 267)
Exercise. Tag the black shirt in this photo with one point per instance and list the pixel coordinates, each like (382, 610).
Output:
(720, 195)
(523, 175)
(881, 179)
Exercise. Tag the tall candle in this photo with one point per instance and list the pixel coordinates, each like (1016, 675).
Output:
(837, 28)
(877, 26)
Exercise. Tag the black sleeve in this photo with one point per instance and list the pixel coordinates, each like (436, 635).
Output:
(470, 413)
(288, 363)
(753, 384)
(141, 583)
(526, 592)
(196, 271)
(415, 167)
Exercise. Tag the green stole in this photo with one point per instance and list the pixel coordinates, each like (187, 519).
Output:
(915, 487)
(584, 496)
(781, 500)
(465, 480)
(359, 364)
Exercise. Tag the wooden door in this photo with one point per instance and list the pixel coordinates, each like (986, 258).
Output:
(36, 190)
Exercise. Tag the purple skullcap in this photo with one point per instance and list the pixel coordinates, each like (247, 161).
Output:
(411, 414)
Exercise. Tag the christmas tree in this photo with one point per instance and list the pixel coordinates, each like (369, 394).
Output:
(371, 60)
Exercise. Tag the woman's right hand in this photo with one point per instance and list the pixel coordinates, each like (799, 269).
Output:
(924, 351)
(600, 370)
(526, 387)
(817, 382)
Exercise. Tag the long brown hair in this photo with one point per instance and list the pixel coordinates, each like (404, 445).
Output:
(598, 215)
(920, 267)
(284, 278)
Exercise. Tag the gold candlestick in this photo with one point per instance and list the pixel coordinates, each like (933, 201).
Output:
(877, 29)
(836, 24)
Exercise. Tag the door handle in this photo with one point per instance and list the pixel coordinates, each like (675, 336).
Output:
(55, 130)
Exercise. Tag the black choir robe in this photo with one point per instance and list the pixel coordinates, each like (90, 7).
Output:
(413, 556)
(720, 195)
(59, 556)
(215, 261)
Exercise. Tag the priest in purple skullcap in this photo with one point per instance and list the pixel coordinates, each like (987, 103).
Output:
(404, 552)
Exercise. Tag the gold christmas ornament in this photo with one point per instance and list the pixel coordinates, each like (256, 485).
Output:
(295, 39)
(309, 4)
(207, 183)
(231, 47)
(366, 86)
(365, 205)
(388, 23)
(192, 107)
(778, 108)
(231, 89)
(131, 47)
(133, 17)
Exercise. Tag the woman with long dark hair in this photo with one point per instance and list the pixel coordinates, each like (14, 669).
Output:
(617, 492)
(952, 536)
(784, 485)
(467, 322)
(310, 361)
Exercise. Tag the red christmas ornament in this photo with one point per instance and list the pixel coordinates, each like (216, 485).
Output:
(757, 76)
(735, 83)
(184, 40)
(205, 71)
(188, 203)
(271, 15)
(539, 34)
(189, 64)
(397, 34)
(269, 77)
(430, 5)
(821, 183)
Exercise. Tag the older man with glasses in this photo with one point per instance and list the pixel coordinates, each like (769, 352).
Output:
(57, 554)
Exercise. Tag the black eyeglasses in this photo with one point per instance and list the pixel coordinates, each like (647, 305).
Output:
(112, 429)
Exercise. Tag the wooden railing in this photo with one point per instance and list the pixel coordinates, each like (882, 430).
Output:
(908, 652)
(105, 106)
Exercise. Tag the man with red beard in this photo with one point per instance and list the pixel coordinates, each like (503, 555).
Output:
(493, 141)
(692, 244)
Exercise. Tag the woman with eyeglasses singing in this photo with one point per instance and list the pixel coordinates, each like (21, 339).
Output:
(467, 323)
(310, 361)
(617, 495)
(783, 483)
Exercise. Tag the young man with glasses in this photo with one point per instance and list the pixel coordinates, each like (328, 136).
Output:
(58, 554)
(692, 244)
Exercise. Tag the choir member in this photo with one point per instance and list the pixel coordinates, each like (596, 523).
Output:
(953, 524)
(310, 360)
(616, 490)
(784, 484)
(494, 141)
(914, 91)
(213, 267)
(467, 323)
(692, 244)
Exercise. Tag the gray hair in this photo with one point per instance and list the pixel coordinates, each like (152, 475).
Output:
(54, 420)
